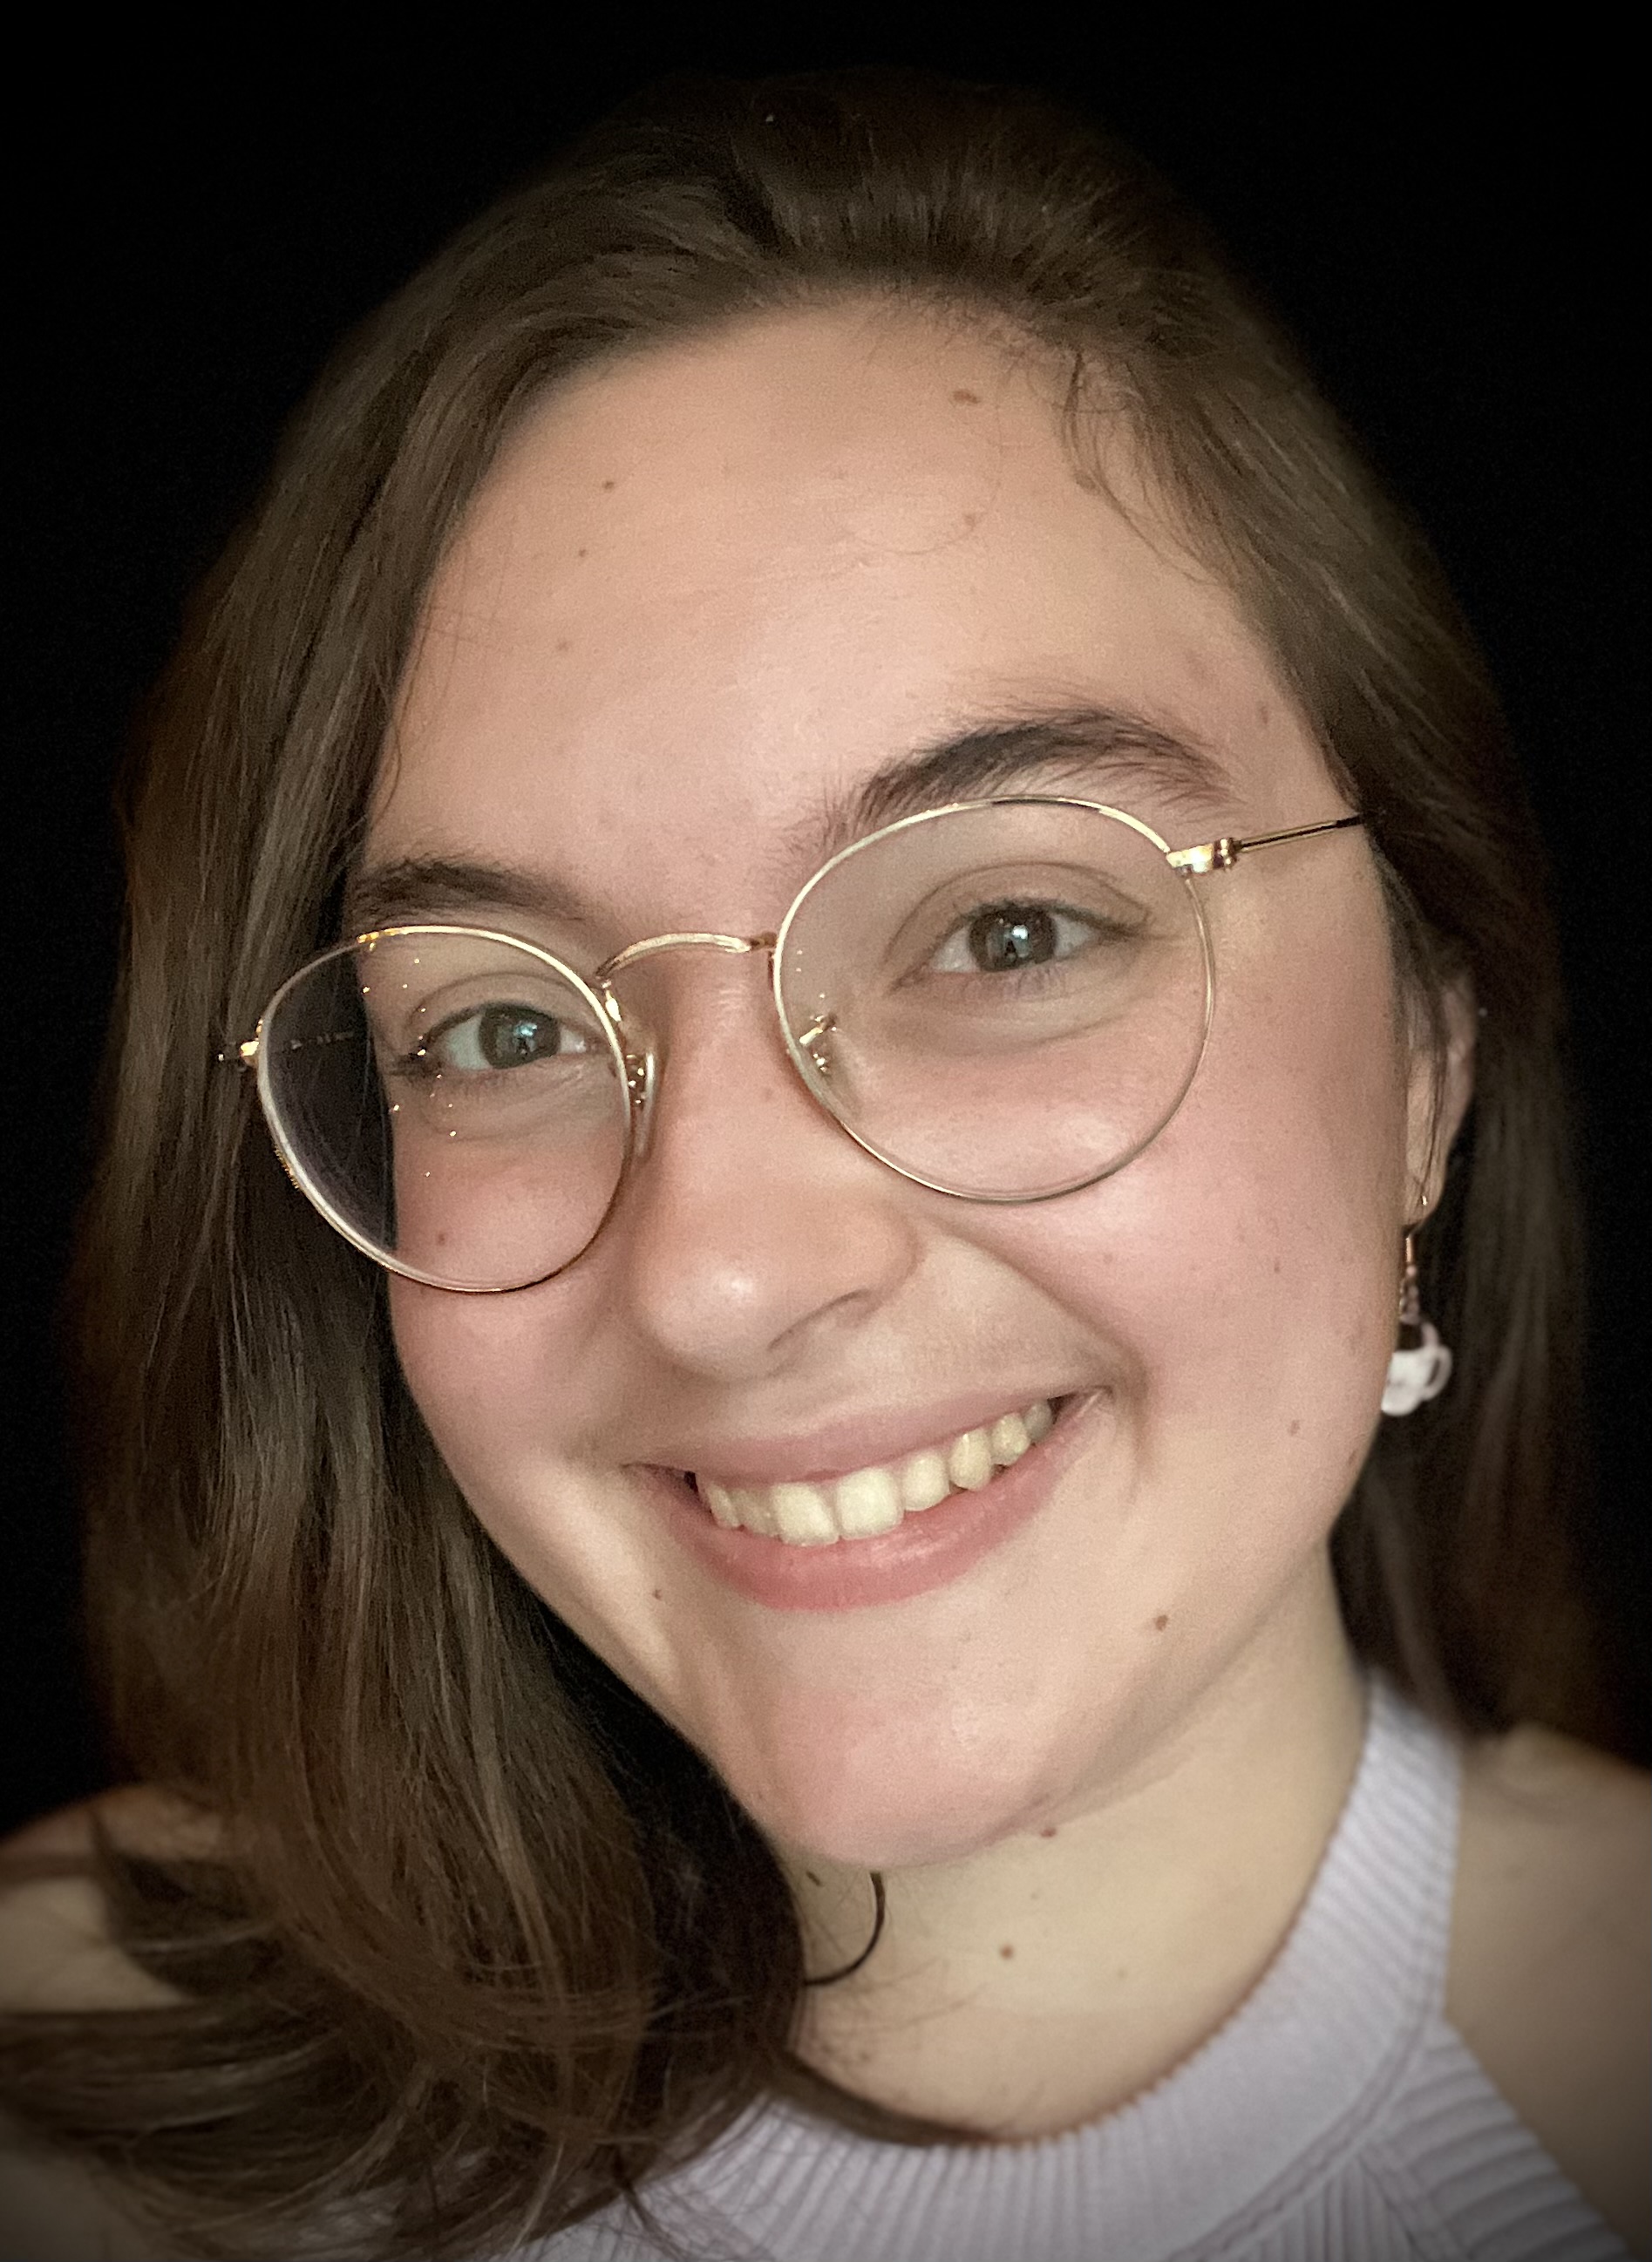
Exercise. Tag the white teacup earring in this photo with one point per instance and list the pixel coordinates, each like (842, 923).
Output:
(1420, 1366)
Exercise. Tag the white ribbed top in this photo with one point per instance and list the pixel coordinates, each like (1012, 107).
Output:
(1335, 2117)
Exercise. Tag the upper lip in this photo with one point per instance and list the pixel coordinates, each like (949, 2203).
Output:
(853, 1441)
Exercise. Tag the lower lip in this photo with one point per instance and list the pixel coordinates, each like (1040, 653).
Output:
(925, 1550)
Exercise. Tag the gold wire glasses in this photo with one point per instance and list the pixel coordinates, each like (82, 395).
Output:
(1003, 1000)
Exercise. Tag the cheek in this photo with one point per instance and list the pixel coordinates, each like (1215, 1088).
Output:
(1297, 1155)
(1249, 1260)
(508, 1400)
(481, 1371)
(456, 1353)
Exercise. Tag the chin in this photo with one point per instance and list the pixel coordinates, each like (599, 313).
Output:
(886, 1834)
(888, 1801)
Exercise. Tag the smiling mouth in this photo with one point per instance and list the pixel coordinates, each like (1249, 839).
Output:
(868, 1502)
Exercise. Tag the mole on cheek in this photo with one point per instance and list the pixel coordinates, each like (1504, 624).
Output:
(1161, 1622)
(1007, 1951)
(965, 398)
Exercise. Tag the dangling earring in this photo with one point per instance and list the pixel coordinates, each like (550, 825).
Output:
(1420, 1366)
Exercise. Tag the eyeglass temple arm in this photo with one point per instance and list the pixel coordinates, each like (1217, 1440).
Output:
(1221, 854)
(245, 1056)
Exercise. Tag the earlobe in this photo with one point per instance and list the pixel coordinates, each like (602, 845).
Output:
(1441, 1087)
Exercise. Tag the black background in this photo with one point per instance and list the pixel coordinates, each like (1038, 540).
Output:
(188, 237)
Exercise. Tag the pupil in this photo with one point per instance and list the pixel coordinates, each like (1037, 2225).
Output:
(1011, 935)
(511, 1035)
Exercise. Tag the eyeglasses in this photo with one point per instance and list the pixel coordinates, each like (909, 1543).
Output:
(1003, 1000)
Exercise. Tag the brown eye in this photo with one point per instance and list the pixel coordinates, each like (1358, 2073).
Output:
(513, 1036)
(1012, 937)
(1007, 936)
(493, 1040)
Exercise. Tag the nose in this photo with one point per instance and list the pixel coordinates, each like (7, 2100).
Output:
(752, 1228)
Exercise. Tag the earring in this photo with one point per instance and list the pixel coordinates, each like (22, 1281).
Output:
(1420, 1366)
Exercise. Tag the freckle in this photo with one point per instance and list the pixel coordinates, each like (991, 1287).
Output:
(1295, 1429)
(584, 553)
(608, 485)
(565, 644)
(1049, 1830)
(657, 1596)
(972, 518)
(1161, 1622)
(1007, 1951)
(965, 398)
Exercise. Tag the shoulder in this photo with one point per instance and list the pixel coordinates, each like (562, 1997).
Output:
(56, 1955)
(56, 1952)
(1550, 1974)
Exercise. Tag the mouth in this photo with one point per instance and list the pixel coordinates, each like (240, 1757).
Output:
(867, 1503)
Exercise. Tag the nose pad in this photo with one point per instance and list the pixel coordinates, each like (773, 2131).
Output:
(642, 1077)
(815, 1043)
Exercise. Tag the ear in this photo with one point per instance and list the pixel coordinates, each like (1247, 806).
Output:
(1440, 1086)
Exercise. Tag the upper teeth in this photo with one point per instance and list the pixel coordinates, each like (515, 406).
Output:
(869, 1500)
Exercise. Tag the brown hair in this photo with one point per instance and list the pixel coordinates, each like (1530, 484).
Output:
(488, 1943)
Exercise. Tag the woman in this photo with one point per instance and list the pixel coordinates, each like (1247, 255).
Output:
(856, 1548)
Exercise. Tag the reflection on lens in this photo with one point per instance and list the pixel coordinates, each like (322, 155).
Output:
(452, 1100)
(1006, 1000)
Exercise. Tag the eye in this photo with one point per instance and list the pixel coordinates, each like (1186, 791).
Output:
(502, 1037)
(1003, 938)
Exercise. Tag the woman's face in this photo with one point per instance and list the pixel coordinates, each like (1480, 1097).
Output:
(704, 597)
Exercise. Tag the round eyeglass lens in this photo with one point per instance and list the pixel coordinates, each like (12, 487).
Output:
(453, 1101)
(1005, 1000)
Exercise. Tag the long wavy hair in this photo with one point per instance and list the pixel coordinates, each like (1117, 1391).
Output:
(481, 1943)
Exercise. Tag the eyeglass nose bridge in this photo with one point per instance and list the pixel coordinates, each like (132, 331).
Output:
(641, 1066)
(739, 946)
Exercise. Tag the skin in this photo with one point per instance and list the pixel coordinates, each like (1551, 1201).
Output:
(698, 589)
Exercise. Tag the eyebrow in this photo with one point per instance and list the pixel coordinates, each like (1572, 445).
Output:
(1070, 747)
(408, 889)
(1063, 750)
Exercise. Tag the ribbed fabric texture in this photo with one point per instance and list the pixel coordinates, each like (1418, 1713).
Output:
(1335, 2117)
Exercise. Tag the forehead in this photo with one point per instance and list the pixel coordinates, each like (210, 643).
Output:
(708, 586)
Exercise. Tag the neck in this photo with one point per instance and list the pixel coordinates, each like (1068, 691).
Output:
(1045, 1980)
